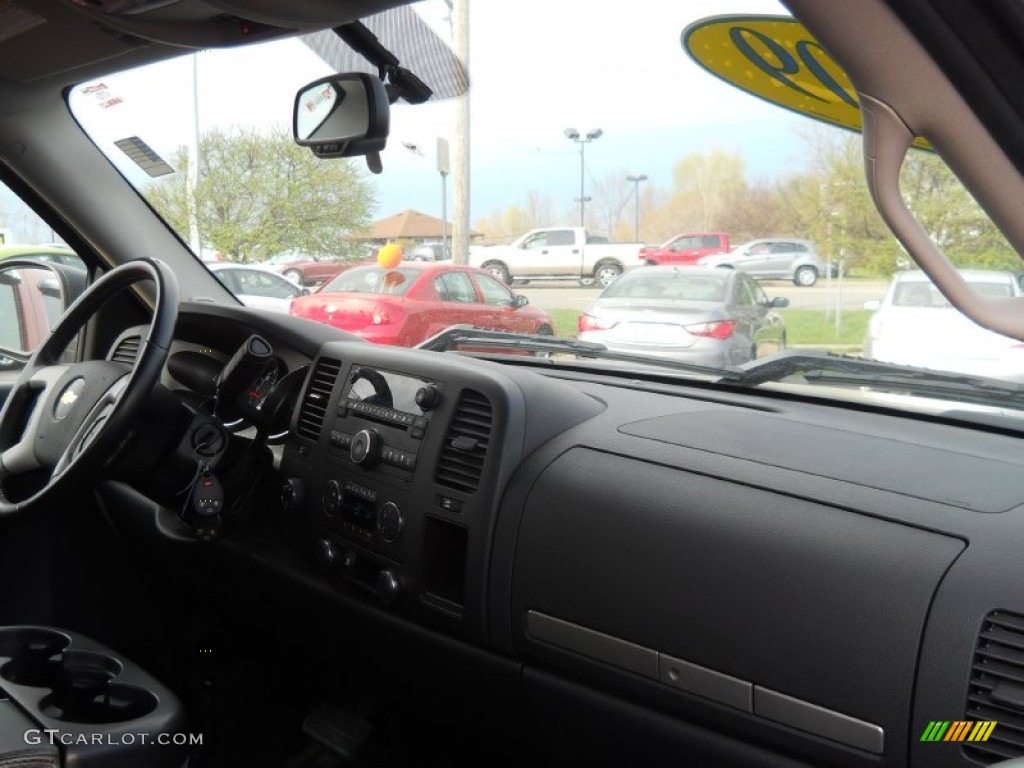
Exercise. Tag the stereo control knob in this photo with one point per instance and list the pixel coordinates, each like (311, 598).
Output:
(293, 494)
(326, 555)
(332, 497)
(428, 397)
(365, 447)
(389, 588)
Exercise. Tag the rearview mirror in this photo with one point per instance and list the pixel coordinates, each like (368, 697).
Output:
(873, 305)
(520, 300)
(779, 302)
(343, 115)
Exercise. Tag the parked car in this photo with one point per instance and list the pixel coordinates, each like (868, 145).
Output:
(916, 325)
(558, 253)
(773, 259)
(305, 268)
(431, 252)
(258, 286)
(416, 300)
(701, 315)
(686, 249)
(59, 254)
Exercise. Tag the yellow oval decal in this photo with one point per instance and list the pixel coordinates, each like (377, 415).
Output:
(775, 58)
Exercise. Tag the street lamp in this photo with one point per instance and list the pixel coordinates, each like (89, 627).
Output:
(636, 209)
(573, 135)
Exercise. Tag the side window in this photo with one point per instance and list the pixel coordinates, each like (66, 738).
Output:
(561, 237)
(539, 240)
(710, 241)
(227, 279)
(745, 292)
(785, 248)
(457, 288)
(255, 283)
(494, 292)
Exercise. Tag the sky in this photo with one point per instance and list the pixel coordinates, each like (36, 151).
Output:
(549, 65)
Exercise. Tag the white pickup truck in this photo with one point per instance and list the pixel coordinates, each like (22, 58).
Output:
(558, 253)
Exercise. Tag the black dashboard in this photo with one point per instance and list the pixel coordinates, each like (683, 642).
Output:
(674, 563)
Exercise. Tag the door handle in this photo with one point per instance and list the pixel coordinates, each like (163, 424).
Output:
(544, 252)
(575, 250)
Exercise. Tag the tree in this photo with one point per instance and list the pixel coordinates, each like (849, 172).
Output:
(259, 194)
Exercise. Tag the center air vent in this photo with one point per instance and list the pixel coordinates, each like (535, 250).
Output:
(127, 350)
(318, 395)
(465, 445)
(996, 691)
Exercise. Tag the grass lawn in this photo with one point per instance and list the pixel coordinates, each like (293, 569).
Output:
(804, 327)
(809, 327)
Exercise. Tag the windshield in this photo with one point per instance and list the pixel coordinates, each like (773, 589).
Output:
(602, 154)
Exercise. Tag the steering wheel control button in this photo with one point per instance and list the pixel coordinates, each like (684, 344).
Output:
(365, 447)
(68, 398)
(389, 522)
(332, 498)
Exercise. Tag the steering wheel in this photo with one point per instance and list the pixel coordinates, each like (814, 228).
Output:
(66, 420)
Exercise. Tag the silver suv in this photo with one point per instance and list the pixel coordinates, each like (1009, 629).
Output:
(773, 259)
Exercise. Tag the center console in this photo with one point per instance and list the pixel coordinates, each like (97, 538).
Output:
(388, 470)
(395, 468)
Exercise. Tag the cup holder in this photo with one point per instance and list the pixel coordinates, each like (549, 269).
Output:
(81, 684)
(31, 655)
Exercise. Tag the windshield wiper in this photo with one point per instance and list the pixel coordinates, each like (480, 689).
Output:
(477, 339)
(827, 368)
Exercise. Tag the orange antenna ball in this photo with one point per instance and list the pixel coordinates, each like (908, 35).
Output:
(389, 256)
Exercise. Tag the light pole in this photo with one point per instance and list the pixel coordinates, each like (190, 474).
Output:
(636, 203)
(573, 135)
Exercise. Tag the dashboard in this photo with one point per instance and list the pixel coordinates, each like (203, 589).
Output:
(689, 563)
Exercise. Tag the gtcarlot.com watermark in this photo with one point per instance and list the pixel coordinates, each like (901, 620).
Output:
(53, 737)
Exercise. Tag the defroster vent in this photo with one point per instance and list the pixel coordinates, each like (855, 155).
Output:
(996, 691)
(317, 397)
(465, 445)
(127, 350)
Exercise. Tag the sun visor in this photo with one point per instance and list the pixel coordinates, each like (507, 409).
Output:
(403, 32)
(776, 59)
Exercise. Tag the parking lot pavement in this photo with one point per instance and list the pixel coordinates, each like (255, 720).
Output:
(826, 294)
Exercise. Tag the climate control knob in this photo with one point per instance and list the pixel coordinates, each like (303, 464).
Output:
(365, 447)
(326, 555)
(332, 498)
(389, 522)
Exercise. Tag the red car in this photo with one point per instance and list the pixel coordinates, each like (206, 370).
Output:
(416, 300)
(686, 248)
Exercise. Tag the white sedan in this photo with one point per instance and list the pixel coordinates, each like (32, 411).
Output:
(915, 325)
(257, 286)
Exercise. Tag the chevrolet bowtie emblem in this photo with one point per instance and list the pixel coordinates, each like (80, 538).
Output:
(68, 398)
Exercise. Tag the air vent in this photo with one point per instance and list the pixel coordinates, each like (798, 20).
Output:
(465, 445)
(996, 691)
(318, 395)
(127, 350)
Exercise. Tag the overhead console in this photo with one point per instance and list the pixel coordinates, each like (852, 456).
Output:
(396, 469)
